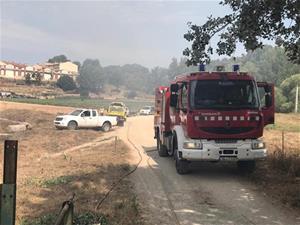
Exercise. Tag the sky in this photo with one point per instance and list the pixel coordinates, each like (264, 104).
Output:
(149, 33)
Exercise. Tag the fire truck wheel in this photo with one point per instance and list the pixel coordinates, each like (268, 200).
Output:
(246, 166)
(173, 147)
(162, 150)
(182, 166)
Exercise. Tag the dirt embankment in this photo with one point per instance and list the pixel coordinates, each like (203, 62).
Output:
(49, 171)
(34, 107)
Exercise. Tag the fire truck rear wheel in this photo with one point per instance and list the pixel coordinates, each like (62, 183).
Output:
(162, 150)
(246, 166)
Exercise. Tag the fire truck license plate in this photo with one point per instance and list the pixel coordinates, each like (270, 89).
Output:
(228, 158)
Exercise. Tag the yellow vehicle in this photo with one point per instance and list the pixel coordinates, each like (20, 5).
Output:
(118, 109)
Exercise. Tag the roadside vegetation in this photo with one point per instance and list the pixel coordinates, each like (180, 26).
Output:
(133, 104)
(279, 175)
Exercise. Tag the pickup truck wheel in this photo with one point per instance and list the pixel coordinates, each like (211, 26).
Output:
(72, 125)
(246, 166)
(162, 150)
(106, 127)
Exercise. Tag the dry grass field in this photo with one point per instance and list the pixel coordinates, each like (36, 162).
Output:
(49, 172)
(280, 173)
(28, 89)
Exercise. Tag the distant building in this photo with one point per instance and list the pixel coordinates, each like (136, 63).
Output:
(12, 70)
(65, 68)
(49, 71)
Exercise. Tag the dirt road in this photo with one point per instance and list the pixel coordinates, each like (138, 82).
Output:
(212, 194)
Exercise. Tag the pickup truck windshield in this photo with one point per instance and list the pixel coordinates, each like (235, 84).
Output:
(76, 112)
(223, 94)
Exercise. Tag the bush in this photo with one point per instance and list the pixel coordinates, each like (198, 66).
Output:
(28, 78)
(84, 93)
(280, 100)
(286, 107)
(66, 83)
(131, 94)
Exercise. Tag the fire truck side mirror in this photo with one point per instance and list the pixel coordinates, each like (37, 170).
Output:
(173, 100)
(174, 97)
(174, 88)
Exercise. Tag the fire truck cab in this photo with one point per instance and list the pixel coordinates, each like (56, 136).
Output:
(213, 116)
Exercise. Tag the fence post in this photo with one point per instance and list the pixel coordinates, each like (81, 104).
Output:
(68, 220)
(65, 216)
(282, 141)
(8, 188)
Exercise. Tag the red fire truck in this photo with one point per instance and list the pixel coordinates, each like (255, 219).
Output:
(213, 116)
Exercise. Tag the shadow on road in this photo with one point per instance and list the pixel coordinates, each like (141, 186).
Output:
(213, 170)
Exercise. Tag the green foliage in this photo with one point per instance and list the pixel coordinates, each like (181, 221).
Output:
(269, 64)
(27, 78)
(290, 84)
(90, 76)
(280, 100)
(85, 218)
(66, 83)
(77, 63)
(43, 220)
(249, 23)
(288, 87)
(131, 94)
(49, 182)
(84, 94)
(133, 105)
(177, 68)
(58, 59)
(37, 77)
(90, 218)
(113, 75)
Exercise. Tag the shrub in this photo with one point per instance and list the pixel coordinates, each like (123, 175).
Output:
(131, 94)
(66, 83)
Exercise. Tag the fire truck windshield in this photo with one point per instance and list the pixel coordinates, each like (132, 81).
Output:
(223, 94)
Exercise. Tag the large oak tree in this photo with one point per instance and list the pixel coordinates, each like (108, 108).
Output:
(250, 22)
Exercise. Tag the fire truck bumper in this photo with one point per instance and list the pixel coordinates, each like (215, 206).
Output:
(212, 151)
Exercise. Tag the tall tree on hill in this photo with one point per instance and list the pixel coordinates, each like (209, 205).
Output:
(113, 75)
(58, 59)
(90, 76)
(249, 23)
(66, 83)
(77, 63)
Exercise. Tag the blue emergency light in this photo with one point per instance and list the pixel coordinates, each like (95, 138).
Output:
(201, 67)
(236, 68)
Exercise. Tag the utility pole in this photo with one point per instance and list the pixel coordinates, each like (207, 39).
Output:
(296, 100)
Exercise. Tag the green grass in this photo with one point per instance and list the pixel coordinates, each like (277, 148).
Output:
(285, 126)
(49, 182)
(87, 218)
(133, 105)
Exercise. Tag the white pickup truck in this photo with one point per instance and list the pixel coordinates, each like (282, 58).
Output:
(85, 118)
